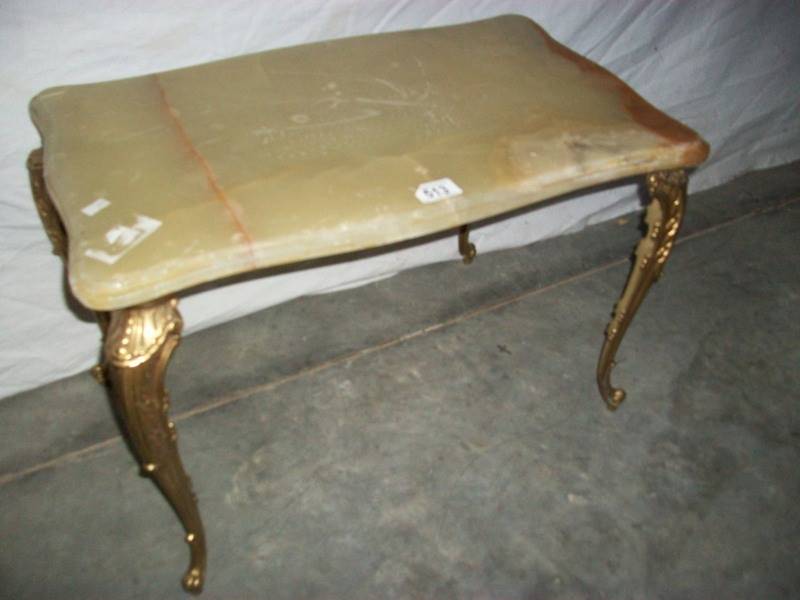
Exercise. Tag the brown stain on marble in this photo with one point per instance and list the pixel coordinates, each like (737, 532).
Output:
(211, 177)
(637, 107)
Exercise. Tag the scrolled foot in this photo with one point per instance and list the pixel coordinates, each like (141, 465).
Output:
(193, 581)
(465, 247)
(470, 254)
(611, 395)
(614, 399)
(196, 573)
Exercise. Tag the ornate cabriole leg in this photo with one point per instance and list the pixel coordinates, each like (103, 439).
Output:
(667, 191)
(137, 349)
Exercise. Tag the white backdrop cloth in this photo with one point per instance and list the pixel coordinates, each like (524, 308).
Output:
(730, 70)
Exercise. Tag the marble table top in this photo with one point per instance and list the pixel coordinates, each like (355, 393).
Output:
(170, 180)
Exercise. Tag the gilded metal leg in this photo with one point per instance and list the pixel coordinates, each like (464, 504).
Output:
(137, 349)
(465, 247)
(667, 191)
(44, 205)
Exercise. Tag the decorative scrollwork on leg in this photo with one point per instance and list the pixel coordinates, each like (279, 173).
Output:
(44, 205)
(667, 191)
(137, 348)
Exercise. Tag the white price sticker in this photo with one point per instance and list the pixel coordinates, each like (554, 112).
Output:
(439, 189)
(121, 239)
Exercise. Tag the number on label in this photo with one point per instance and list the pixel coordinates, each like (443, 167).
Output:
(439, 189)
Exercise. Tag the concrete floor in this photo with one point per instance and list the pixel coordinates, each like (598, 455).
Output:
(438, 435)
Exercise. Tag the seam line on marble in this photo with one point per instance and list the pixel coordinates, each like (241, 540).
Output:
(205, 166)
(77, 455)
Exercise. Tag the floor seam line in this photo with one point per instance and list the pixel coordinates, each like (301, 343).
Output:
(72, 456)
(246, 392)
(77, 455)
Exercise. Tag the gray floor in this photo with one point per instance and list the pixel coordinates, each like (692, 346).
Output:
(438, 435)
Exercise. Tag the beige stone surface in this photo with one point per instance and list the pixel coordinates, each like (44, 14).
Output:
(170, 180)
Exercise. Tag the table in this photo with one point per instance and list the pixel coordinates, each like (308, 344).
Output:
(154, 185)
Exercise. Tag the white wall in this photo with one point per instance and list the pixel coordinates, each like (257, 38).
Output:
(729, 69)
